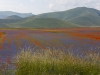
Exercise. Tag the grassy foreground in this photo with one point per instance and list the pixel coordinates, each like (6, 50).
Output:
(53, 62)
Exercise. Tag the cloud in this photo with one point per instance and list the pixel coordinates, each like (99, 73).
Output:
(21, 5)
(31, 0)
(68, 4)
(51, 6)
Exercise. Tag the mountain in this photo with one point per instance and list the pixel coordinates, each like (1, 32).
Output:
(81, 15)
(4, 14)
(91, 17)
(5, 23)
(13, 17)
(77, 17)
(65, 15)
(86, 20)
(42, 23)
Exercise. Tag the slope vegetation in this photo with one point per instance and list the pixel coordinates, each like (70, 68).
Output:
(4, 14)
(43, 23)
(13, 17)
(82, 15)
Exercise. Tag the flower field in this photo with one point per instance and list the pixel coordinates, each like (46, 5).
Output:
(77, 40)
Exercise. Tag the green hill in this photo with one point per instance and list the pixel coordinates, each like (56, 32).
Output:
(5, 23)
(13, 17)
(82, 15)
(66, 15)
(86, 20)
(77, 17)
(4, 14)
(43, 23)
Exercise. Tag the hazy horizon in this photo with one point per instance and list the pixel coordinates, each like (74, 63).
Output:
(44, 6)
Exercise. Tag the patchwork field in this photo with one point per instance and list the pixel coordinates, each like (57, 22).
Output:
(77, 40)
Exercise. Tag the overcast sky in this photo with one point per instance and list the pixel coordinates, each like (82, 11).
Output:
(43, 6)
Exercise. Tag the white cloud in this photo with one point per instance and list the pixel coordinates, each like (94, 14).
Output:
(51, 6)
(21, 5)
(68, 4)
(98, 3)
(31, 0)
(43, 6)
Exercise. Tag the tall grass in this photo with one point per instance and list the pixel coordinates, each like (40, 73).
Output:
(53, 62)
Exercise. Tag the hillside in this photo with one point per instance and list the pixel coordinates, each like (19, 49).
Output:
(86, 20)
(82, 15)
(65, 15)
(5, 23)
(4, 14)
(43, 23)
(77, 17)
(13, 17)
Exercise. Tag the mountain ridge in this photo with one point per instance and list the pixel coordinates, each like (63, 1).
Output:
(13, 17)
(76, 13)
(76, 17)
(4, 14)
(44, 23)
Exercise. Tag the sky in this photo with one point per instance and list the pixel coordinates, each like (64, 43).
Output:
(44, 6)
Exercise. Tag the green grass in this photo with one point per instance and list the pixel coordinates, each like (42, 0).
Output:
(81, 15)
(77, 17)
(32, 22)
(53, 62)
(43, 23)
(86, 20)
(13, 17)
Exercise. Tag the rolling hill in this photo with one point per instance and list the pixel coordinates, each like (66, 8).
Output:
(81, 15)
(13, 17)
(65, 15)
(86, 20)
(4, 14)
(42, 23)
(4, 23)
(77, 17)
